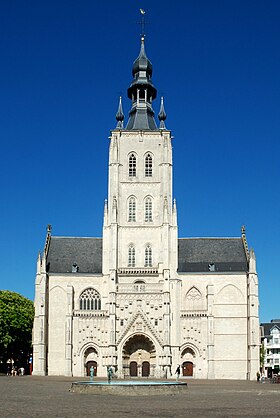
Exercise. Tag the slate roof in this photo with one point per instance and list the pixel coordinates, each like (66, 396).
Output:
(267, 326)
(226, 254)
(194, 255)
(64, 251)
(141, 119)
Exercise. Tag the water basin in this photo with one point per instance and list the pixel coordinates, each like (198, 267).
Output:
(129, 387)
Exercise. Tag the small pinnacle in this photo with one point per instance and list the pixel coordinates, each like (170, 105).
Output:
(162, 115)
(120, 115)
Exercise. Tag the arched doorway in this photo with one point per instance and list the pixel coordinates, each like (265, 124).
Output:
(133, 369)
(90, 359)
(88, 366)
(145, 369)
(188, 359)
(187, 368)
(139, 356)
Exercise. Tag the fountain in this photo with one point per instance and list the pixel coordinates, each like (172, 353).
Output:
(129, 387)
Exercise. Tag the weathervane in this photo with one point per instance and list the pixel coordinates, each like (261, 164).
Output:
(143, 22)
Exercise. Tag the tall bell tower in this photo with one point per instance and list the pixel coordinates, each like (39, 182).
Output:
(140, 218)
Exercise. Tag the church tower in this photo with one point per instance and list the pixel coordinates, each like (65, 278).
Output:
(140, 220)
(140, 208)
(139, 298)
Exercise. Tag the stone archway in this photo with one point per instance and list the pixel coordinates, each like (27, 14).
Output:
(90, 359)
(139, 356)
(188, 356)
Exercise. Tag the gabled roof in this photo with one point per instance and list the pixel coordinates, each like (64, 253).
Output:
(268, 326)
(225, 254)
(64, 251)
(194, 255)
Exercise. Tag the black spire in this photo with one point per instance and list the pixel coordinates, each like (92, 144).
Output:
(120, 115)
(141, 92)
(162, 115)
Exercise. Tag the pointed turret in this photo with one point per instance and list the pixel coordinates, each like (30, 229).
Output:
(142, 93)
(162, 115)
(120, 115)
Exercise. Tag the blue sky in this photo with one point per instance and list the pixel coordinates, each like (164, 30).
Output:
(64, 65)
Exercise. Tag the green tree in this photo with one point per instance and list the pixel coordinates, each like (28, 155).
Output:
(16, 321)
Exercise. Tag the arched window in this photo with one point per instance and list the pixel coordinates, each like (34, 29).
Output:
(132, 165)
(148, 210)
(148, 166)
(148, 256)
(90, 300)
(139, 286)
(132, 209)
(131, 256)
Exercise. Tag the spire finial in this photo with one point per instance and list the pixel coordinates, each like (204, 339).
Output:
(142, 11)
(120, 115)
(162, 115)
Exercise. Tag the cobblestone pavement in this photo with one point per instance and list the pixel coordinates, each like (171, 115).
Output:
(32, 396)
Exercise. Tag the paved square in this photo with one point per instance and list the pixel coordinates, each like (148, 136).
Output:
(32, 396)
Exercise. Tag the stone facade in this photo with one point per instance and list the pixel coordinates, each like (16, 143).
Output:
(139, 298)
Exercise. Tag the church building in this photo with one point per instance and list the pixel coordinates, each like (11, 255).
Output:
(139, 298)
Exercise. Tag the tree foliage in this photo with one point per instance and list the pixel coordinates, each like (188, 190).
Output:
(16, 321)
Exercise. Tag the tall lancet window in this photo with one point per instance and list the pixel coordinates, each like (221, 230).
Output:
(132, 209)
(148, 166)
(131, 256)
(90, 300)
(132, 165)
(148, 210)
(148, 256)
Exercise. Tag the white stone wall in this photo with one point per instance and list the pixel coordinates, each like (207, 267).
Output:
(229, 321)
(122, 187)
(136, 312)
(209, 320)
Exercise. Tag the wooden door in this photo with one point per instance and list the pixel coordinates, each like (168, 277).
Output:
(94, 365)
(133, 369)
(145, 369)
(187, 368)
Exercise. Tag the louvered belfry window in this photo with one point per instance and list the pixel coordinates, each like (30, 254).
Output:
(148, 166)
(132, 166)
